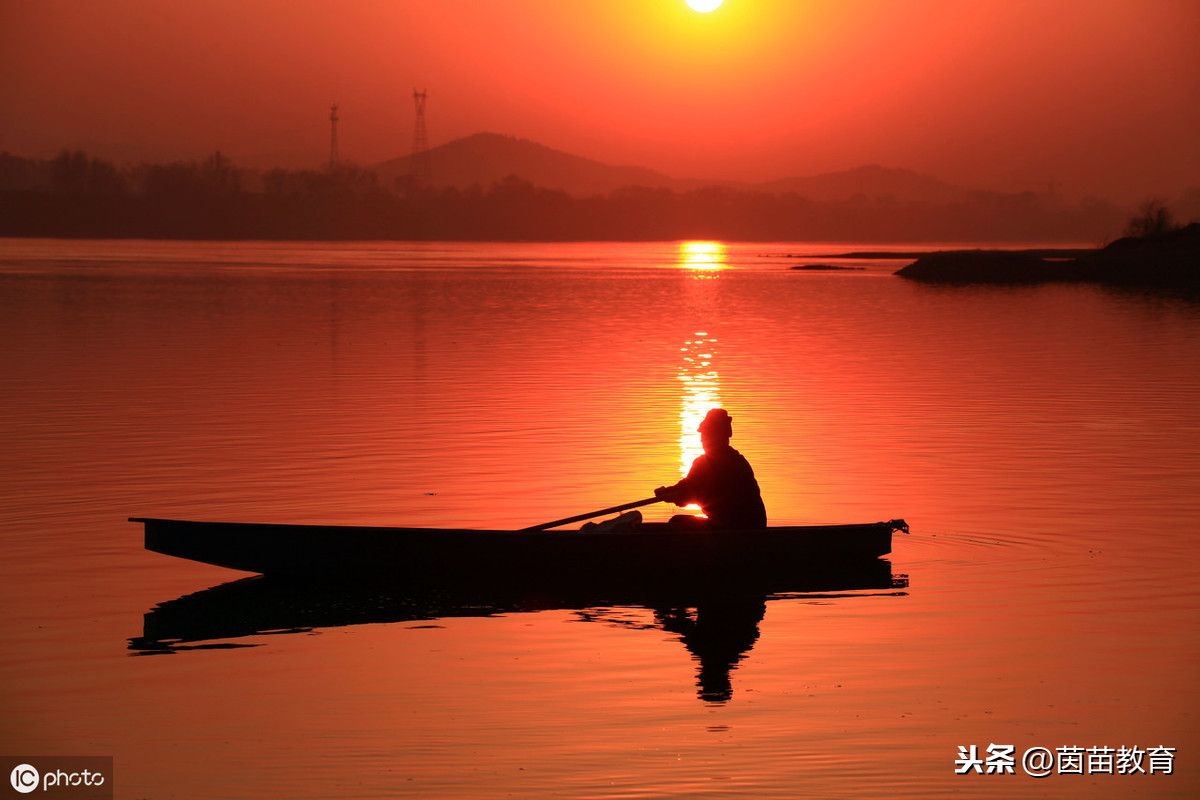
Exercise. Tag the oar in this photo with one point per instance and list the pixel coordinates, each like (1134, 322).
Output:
(590, 514)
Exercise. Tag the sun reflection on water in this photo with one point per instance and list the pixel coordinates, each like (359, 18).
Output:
(703, 256)
(701, 391)
(697, 374)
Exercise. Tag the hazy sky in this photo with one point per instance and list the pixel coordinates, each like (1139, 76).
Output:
(1098, 95)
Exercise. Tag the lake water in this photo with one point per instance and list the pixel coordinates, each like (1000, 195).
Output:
(1043, 443)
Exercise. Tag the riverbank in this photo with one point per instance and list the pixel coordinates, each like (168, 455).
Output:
(1165, 259)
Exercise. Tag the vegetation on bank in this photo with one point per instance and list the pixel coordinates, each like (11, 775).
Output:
(1157, 251)
(75, 195)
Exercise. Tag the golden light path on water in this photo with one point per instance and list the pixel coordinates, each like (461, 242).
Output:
(699, 380)
(701, 386)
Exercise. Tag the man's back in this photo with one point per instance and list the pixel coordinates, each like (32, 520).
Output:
(723, 484)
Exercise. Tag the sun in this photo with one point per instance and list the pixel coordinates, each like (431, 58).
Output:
(704, 6)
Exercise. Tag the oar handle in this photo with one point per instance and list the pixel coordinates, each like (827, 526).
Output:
(590, 514)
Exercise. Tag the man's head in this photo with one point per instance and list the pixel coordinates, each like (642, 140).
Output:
(716, 430)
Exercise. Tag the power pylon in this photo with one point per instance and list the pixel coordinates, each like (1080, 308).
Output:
(420, 172)
(333, 148)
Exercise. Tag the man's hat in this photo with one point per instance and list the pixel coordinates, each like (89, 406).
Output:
(717, 419)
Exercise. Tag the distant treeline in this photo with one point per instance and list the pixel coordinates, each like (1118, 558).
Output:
(74, 195)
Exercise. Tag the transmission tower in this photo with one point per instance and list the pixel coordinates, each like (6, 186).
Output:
(333, 148)
(420, 173)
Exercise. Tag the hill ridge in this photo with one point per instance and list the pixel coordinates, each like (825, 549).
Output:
(487, 157)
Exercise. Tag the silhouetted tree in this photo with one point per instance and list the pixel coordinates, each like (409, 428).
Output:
(219, 175)
(74, 173)
(1152, 218)
(23, 174)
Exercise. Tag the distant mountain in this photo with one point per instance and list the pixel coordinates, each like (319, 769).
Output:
(872, 182)
(486, 158)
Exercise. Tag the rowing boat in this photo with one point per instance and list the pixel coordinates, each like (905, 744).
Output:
(652, 550)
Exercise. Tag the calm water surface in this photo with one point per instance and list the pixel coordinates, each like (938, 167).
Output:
(1043, 442)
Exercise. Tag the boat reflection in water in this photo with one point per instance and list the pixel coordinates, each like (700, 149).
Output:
(717, 624)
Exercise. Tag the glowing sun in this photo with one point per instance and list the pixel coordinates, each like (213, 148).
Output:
(704, 6)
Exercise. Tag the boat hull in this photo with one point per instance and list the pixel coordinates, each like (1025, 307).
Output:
(434, 554)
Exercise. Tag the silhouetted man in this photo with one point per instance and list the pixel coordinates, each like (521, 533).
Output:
(721, 481)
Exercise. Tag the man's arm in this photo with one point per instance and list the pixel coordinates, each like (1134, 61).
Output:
(683, 492)
(676, 493)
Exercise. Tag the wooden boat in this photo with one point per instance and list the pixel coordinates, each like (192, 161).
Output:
(652, 550)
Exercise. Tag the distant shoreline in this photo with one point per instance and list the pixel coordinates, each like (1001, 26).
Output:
(75, 196)
(912, 255)
(546, 239)
(1167, 259)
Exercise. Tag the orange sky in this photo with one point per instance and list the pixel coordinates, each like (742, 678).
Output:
(1100, 96)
